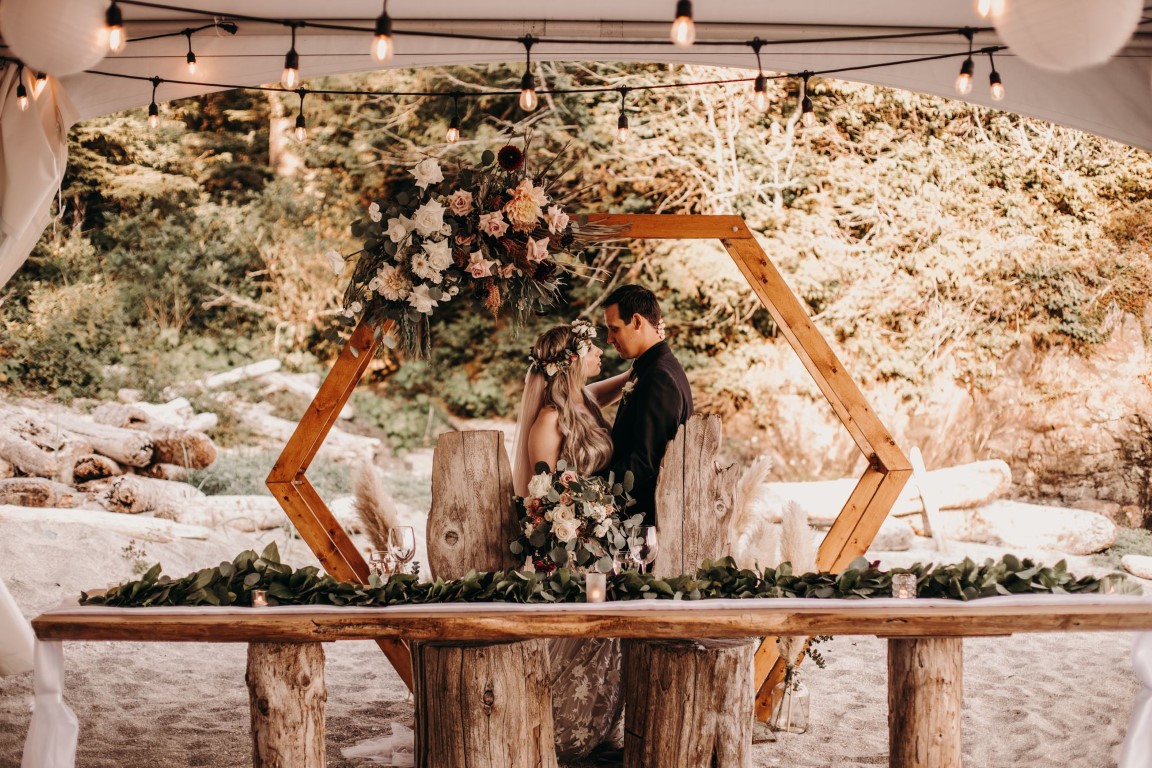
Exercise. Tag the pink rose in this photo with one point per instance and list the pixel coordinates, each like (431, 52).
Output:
(568, 477)
(507, 270)
(493, 224)
(478, 266)
(537, 250)
(557, 220)
(465, 239)
(460, 202)
(566, 498)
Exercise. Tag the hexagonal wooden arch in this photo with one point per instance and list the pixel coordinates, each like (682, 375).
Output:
(849, 537)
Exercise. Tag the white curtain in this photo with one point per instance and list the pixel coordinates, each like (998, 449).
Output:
(33, 156)
(15, 636)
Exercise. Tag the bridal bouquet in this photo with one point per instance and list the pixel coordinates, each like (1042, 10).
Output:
(571, 520)
(492, 231)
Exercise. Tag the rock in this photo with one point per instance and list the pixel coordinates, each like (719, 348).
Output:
(1137, 565)
(894, 536)
(1017, 524)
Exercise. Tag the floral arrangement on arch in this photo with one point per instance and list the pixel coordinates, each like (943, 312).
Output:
(572, 520)
(493, 231)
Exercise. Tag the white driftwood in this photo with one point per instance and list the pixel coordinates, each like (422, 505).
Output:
(339, 446)
(27, 457)
(961, 487)
(483, 706)
(241, 513)
(6, 469)
(132, 494)
(286, 695)
(472, 517)
(127, 446)
(305, 385)
(181, 447)
(139, 527)
(1030, 526)
(38, 492)
(688, 703)
(92, 466)
(243, 373)
(695, 499)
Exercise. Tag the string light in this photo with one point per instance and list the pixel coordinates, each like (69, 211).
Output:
(683, 29)
(21, 91)
(39, 84)
(191, 57)
(807, 116)
(153, 110)
(995, 84)
(301, 130)
(760, 88)
(382, 48)
(622, 122)
(114, 28)
(290, 78)
(528, 98)
(967, 69)
(985, 7)
(453, 135)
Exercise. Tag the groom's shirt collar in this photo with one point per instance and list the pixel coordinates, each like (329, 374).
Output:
(645, 362)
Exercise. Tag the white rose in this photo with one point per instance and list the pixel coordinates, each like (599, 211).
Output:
(374, 212)
(335, 261)
(565, 530)
(565, 512)
(439, 254)
(429, 218)
(601, 530)
(540, 485)
(427, 171)
(596, 512)
(420, 299)
(398, 228)
(557, 220)
(423, 268)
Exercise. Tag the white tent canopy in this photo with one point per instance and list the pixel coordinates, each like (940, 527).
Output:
(1113, 100)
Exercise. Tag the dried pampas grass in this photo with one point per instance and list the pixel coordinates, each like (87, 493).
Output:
(751, 535)
(374, 505)
(798, 548)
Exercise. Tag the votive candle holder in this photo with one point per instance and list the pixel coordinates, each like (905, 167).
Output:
(259, 598)
(596, 586)
(904, 585)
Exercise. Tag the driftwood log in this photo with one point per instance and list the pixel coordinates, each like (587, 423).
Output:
(286, 694)
(93, 466)
(483, 705)
(27, 457)
(688, 703)
(478, 705)
(925, 694)
(172, 443)
(133, 495)
(37, 492)
(6, 469)
(130, 447)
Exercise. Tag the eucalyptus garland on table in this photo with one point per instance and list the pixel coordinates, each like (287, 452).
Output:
(232, 584)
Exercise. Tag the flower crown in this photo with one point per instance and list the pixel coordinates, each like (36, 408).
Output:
(583, 334)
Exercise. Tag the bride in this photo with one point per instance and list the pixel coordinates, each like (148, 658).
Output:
(560, 418)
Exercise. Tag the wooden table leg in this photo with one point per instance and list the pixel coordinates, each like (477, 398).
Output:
(286, 692)
(925, 693)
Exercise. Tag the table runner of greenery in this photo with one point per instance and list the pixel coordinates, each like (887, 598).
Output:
(232, 584)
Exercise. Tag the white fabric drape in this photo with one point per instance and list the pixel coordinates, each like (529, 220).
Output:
(33, 156)
(1138, 743)
(15, 636)
(54, 731)
(534, 386)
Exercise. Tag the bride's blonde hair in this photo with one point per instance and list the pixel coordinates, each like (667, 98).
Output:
(585, 444)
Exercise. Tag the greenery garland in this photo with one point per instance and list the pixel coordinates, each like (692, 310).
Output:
(232, 584)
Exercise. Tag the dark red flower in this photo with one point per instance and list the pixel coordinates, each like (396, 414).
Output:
(510, 158)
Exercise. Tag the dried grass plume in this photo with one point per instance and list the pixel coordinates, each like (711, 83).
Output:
(751, 533)
(374, 505)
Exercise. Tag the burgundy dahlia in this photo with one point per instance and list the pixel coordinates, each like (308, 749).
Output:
(510, 158)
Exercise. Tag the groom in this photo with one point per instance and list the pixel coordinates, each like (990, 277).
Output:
(656, 399)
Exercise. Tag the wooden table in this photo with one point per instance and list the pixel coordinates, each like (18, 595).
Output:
(925, 658)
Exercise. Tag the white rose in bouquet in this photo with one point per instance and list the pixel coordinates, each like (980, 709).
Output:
(564, 512)
(565, 530)
(429, 218)
(427, 171)
(540, 484)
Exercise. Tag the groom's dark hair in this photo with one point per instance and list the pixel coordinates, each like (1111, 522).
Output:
(632, 300)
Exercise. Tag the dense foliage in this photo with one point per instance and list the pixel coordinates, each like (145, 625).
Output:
(926, 237)
(232, 584)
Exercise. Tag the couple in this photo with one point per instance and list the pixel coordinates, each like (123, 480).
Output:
(560, 418)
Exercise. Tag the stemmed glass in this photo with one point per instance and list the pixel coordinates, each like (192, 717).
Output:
(402, 545)
(380, 563)
(623, 561)
(644, 547)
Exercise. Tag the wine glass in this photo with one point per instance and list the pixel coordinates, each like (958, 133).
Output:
(380, 563)
(402, 545)
(644, 546)
(623, 561)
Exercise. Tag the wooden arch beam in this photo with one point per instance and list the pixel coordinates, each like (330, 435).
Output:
(850, 535)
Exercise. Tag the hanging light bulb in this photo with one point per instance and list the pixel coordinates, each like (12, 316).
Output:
(986, 7)
(964, 79)
(39, 84)
(191, 57)
(114, 28)
(760, 89)
(301, 130)
(21, 91)
(290, 78)
(153, 109)
(528, 98)
(453, 134)
(622, 123)
(382, 48)
(683, 29)
(995, 84)
(807, 116)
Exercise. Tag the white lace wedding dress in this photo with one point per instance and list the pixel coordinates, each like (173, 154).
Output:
(587, 696)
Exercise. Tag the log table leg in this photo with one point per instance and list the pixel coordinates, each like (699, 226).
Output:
(286, 695)
(483, 705)
(688, 703)
(925, 693)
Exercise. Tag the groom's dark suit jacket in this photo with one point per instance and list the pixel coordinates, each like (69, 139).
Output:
(648, 417)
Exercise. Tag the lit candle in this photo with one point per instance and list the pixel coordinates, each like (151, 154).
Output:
(259, 598)
(596, 586)
(903, 585)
